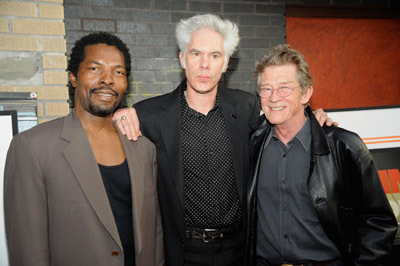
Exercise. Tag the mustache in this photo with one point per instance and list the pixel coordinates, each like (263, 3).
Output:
(104, 88)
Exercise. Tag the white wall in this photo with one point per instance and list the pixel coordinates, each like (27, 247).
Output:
(6, 134)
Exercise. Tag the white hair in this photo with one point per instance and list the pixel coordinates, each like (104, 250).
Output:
(228, 30)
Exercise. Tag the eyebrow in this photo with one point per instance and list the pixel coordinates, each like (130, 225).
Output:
(94, 62)
(98, 63)
(213, 52)
(280, 84)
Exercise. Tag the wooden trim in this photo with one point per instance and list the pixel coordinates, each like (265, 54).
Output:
(341, 12)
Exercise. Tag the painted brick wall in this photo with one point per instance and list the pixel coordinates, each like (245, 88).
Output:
(148, 29)
(147, 26)
(32, 53)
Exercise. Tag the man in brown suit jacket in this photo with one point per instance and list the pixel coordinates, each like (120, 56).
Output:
(76, 191)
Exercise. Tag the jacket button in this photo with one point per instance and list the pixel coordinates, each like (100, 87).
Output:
(114, 253)
(182, 241)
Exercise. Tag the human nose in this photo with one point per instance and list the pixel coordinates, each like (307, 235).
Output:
(274, 95)
(205, 62)
(107, 78)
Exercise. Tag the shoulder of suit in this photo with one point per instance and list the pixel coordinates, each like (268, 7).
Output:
(42, 135)
(45, 129)
(348, 138)
(143, 142)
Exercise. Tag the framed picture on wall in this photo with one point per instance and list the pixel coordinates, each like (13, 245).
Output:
(8, 122)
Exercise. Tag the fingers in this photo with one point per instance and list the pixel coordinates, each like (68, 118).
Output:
(320, 115)
(116, 119)
(128, 123)
(328, 122)
(135, 125)
(323, 118)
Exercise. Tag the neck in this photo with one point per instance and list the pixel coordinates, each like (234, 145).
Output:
(103, 137)
(201, 102)
(93, 124)
(287, 132)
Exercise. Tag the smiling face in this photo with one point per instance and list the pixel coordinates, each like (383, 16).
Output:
(204, 61)
(101, 80)
(287, 111)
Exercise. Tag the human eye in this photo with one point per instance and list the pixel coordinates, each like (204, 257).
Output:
(285, 91)
(214, 56)
(285, 88)
(265, 91)
(120, 72)
(93, 67)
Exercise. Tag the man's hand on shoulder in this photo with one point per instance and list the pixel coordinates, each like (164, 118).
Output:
(323, 118)
(127, 122)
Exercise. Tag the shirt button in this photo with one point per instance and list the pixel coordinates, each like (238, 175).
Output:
(285, 236)
(284, 208)
(114, 253)
(284, 181)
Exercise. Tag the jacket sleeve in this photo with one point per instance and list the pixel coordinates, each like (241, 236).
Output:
(25, 206)
(159, 256)
(375, 222)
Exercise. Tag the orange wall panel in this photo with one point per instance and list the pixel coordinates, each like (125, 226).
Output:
(353, 62)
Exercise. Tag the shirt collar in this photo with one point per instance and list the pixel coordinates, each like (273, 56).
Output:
(188, 112)
(303, 136)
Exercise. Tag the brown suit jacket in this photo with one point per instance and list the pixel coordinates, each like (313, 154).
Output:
(57, 210)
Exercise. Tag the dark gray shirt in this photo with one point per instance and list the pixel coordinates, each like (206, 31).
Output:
(288, 229)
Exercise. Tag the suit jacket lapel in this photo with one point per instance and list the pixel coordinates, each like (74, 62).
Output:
(235, 133)
(83, 163)
(170, 126)
(136, 171)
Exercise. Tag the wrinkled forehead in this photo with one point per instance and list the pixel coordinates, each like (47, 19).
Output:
(205, 39)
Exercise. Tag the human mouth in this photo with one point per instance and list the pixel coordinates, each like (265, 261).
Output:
(105, 92)
(203, 78)
(277, 108)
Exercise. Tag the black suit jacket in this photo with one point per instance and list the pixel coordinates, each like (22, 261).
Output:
(160, 122)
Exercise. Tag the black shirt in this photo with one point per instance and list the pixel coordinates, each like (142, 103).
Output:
(117, 183)
(211, 196)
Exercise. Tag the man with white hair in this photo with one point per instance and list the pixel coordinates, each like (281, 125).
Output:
(201, 132)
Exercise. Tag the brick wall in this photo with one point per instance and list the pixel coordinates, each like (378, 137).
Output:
(147, 26)
(32, 53)
(148, 29)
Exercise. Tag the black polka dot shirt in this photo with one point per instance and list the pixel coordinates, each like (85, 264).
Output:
(211, 197)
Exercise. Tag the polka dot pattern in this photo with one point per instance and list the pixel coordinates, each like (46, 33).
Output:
(211, 197)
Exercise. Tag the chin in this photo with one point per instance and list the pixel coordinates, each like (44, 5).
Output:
(102, 111)
(274, 120)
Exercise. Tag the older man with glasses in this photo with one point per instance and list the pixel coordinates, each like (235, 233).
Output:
(315, 195)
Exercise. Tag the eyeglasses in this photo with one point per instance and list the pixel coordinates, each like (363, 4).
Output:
(283, 91)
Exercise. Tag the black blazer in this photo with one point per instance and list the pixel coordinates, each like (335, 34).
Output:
(160, 122)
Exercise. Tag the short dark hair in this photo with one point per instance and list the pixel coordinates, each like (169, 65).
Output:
(79, 50)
